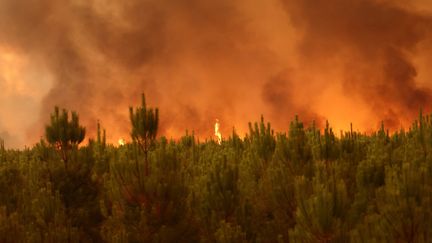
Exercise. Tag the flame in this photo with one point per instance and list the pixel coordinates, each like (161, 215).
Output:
(121, 142)
(217, 132)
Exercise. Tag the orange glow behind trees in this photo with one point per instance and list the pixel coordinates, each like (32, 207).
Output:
(363, 61)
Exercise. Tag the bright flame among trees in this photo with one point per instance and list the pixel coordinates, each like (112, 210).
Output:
(217, 132)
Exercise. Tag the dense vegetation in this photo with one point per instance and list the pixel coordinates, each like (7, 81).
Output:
(307, 185)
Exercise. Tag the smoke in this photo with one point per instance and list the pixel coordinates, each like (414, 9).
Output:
(278, 93)
(374, 42)
(198, 60)
(103, 54)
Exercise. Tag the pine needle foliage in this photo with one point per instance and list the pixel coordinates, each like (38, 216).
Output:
(64, 133)
(307, 184)
(145, 124)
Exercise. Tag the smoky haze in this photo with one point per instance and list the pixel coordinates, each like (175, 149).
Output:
(375, 41)
(197, 60)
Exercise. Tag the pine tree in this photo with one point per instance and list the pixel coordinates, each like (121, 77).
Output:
(2, 150)
(262, 140)
(145, 122)
(63, 133)
(322, 204)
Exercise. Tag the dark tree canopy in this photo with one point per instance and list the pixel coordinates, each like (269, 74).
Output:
(145, 123)
(302, 185)
(63, 132)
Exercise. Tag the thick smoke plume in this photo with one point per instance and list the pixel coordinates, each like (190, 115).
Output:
(197, 60)
(373, 42)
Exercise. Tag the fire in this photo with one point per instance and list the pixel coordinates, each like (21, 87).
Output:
(121, 142)
(217, 132)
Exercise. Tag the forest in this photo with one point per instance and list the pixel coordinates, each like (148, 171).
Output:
(304, 185)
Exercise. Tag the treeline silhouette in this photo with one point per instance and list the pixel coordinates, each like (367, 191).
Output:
(306, 185)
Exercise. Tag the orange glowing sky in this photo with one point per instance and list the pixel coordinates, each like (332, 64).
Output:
(360, 61)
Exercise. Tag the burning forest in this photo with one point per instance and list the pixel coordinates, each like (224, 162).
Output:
(262, 121)
(362, 61)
